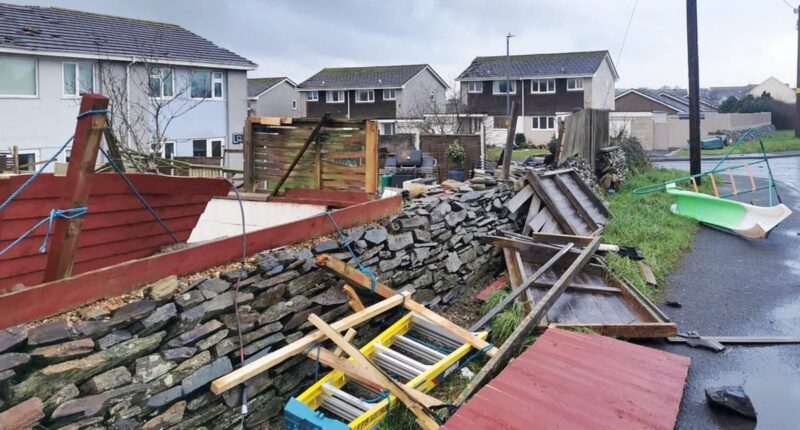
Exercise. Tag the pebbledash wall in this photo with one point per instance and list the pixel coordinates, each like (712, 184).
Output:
(149, 363)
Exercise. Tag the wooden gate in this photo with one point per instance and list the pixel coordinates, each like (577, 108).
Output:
(342, 156)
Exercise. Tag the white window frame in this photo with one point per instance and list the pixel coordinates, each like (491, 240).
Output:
(208, 146)
(391, 91)
(328, 97)
(370, 96)
(537, 83)
(35, 84)
(536, 122)
(161, 87)
(212, 81)
(36, 157)
(575, 81)
(77, 65)
(221, 81)
(316, 96)
(294, 104)
(496, 87)
(478, 87)
(392, 128)
(174, 148)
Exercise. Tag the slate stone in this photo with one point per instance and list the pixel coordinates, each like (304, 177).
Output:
(158, 319)
(286, 257)
(330, 297)
(126, 424)
(213, 287)
(206, 374)
(22, 416)
(192, 336)
(165, 397)
(91, 423)
(202, 416)
(216, 306)
(267, 262)
(93, 329)
(201, 401)
(275, 280)
(182, 371)
(170, 417)
(387, 265)
(235, 275)
(400, 241)
(331, 315)
(93, 313)
(376, 236)
(189, 299)
(132, 312)
(414, 222)
(50, 332)
(454, 219)
(248, 319)
(255, 386)
(63, 351)
(232, 343)
(422, 235)
(151, 367)
(281, 309)
(327, 246)
(67, 392)
(453, 263)
(44, 381)
(94, 405)
(163, 289)
(470, 196)
(732, 398)
(307, 257)
(107, 380)
(306, 284)
(259, 345)
(6, 376)
(13, 337)
(300, 317)
(264, 408)
(13, 360)
(114, 338)
(212, 340)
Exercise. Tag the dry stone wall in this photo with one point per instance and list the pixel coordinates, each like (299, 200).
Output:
(149, 363)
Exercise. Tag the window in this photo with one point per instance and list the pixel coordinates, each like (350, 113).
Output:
(207, 85)
(574, 84)
(312, 96)
(387, 128)
(19, 76)
(335, 96)
(499, 87)
(543, 123)
(365, 96)
(543, 86)
(207, 147)
(162, 83)
(27, 160)
(475, 87)
(168, 150)
(389, 94)
(294, 104)
(78, 78)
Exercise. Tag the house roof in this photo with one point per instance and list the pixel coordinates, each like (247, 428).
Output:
(537, 65)
(72, 33)
(681, 106)
(258, 86)
(348, 78)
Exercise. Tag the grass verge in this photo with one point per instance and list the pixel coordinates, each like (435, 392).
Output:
(780, 141)
(517, 154)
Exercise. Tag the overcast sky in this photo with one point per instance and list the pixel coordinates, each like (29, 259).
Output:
(741, 41)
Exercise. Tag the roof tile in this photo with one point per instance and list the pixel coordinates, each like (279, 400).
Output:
(527, 66)
(362, 77)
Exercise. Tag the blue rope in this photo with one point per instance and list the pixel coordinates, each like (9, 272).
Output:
(373, 277)
(55, 213)
(319, 347)
(385, 394)
(93, 112)
(477, 353)
(138, 195)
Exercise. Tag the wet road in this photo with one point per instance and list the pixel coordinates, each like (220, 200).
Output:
(733, 286)
(786, 170)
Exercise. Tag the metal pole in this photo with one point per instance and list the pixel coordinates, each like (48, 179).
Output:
(797, 92)
(694, 88)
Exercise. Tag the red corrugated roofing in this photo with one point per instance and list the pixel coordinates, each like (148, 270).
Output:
(570, 380)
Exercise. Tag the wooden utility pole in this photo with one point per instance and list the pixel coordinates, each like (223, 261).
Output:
(88, 132)
(509, 148)
(694, 88)
(797, 88)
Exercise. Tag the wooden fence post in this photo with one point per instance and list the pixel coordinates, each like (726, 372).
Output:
(88, 132)
(248, 154)
(371, 152)
(318, 163)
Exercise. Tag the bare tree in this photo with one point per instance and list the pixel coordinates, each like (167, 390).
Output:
(451, 116)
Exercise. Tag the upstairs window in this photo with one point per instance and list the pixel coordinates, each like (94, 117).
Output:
(574, 84)
(389, 94)
(162, 83)
(312, 96)
(543, 123)
(18, 76)
(207, 85)
(476, 87)
(543, 86)
(499, 87)
(294, 104)
(335, 96)
(78, 78)
(365, 96)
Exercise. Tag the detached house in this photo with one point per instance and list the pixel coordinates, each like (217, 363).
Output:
(274, 97)
(170, 90)
(382, 92)
(545, 87)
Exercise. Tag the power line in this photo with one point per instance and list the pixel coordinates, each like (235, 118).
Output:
(790, 5)
(622, 47)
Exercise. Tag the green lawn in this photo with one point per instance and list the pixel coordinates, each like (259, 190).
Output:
(518, 154)
(779, 141)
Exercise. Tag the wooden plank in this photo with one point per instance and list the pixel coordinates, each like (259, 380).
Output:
(371, 168)
(533, 210)
(88, 132)
(308, 141)
(638, 330)
(349, 335)
(355, 277)
(318, 163)
(743, 340)
(355, 301)
(598, 204)
(519, 199)
(511, 133)
(581, 287)
(397, 389)
(249, 157)
(519, 290)
(647, 274)
(535, 182)
(582, 212)
(517, 337)
(516, 274)
(560, 239)
(300, 346)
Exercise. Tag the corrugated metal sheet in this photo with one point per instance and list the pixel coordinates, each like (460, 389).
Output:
(570, 380)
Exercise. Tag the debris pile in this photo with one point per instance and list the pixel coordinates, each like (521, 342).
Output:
(733, 136)
(148, 364)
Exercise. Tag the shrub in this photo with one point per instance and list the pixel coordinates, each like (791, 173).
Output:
(456, 154)
(520, 141)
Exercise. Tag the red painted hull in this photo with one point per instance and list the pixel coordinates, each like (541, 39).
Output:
(116, 228)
